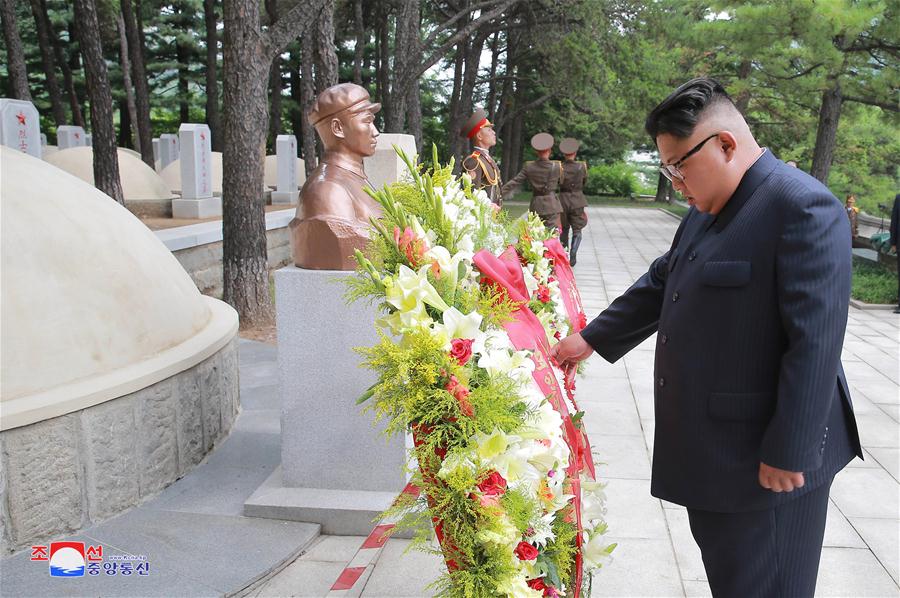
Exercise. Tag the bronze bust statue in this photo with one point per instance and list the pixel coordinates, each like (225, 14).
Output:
(333, 215)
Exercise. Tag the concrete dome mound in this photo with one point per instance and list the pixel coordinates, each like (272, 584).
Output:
(139, 181)
(171, 174)
(118, 376)
(270, 178)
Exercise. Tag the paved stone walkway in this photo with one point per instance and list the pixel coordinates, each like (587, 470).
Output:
(656, 554)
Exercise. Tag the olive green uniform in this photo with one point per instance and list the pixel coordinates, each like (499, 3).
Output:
(485, 173)
(543, 176)
(571, 197)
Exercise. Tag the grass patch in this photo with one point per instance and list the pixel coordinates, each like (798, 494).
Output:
(873, 282)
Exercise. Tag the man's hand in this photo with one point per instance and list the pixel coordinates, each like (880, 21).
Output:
(570, 350)
(779, 480)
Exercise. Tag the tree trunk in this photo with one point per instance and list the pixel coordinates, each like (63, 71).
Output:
(275, 82)
(456, 145)
(245, 116)
(15, 55)
(183, 56)
(307, 97)
(406, 58)
(213, 118)
(296, 110)
(326, 52)
(492, 78)
(135, 37)
(383, 78)
(465, 106)
(124, 125)
(68, 80)
(126, 83)
(106, 161)
(414, 115)
(247, 58)
(41, 22)
(826, 133)
(361, 37)
(663, 189)
(742, 101)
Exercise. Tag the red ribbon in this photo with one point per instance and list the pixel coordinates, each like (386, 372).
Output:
(526, 333)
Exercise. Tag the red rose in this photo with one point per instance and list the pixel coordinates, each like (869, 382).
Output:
(536, 583)
(461, 350)
(493, 485)
(526, 552)
(461, 394)
(543, 293)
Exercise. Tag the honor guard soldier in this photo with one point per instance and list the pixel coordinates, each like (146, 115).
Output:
(479, 165)
(543, 175)
(571, 196)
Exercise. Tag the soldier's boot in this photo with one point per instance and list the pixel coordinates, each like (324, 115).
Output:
(564, 236)
(573, 251)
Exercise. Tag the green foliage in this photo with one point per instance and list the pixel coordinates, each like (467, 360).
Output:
(617, 178)
(873, 283)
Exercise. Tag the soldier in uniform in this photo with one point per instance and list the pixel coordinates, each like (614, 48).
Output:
(543, 175)
(571, 196)
(479, 165)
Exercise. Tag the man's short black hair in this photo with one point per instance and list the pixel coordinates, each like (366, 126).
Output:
(679, 113)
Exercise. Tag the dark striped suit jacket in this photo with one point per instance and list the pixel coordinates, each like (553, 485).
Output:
(750, 307)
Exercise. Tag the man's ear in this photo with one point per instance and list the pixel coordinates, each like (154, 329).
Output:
(728, 142)
(337, 128)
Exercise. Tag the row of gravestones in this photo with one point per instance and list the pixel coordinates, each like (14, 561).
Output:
(20, 129)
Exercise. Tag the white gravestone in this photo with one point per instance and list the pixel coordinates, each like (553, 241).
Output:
(337, 469)
(385, 166)
(88, 139)
(20, 126)
(197, 199)
(43, 139)
(69, 136)
(287, 191)
(156, 154)
(169, 149)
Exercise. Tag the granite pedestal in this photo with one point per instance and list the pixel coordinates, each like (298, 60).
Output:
(337, 468)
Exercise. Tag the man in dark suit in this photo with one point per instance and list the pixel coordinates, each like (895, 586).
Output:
(753, 413)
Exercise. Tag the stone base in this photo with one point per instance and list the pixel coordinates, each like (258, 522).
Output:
(197, 208)
(285, 197)
(339, 512)
(337, 469)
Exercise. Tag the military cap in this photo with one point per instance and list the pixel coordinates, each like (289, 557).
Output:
(340, 98)
(475, 123)
(542, 141)
(569, 145)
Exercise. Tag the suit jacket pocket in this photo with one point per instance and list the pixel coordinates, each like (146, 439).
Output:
(741, 406)
(726, 274)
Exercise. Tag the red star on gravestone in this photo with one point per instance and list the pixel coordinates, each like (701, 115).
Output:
(77, 135)
(21, 117)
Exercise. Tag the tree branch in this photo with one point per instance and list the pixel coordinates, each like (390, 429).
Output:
(292, 25)
(872, 102)
(529, 106)
(459, 15)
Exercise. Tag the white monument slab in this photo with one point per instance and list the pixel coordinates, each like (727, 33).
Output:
(156, 154)
(385, 166)
(197, 199)
(169, 149)
(69, 136)
(88, 139)
(43, 139)
(287, 189)
(20, 126)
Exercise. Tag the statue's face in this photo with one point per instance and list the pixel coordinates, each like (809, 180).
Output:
(359, 133)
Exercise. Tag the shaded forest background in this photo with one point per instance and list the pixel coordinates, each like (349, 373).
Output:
(819, 81)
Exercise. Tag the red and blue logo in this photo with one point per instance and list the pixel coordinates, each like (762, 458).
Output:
(67, 559)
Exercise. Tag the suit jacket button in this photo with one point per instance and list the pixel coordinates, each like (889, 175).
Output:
(675, 296)
(662, 382)
(692, 256)
(664, 339)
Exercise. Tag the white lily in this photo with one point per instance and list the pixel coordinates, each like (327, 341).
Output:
(595, 551)
(410, 288)
(531, 282)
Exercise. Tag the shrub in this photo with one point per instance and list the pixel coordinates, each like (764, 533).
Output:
(618, 179)
(873, 283)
